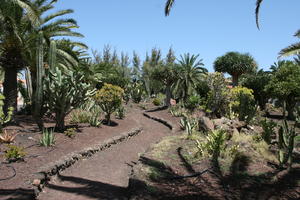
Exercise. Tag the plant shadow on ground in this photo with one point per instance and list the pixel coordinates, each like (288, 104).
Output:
(17, 194)
(111, 123)
(89, 188)
(211, 184)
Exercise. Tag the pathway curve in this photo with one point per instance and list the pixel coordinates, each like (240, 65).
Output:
(106, 174)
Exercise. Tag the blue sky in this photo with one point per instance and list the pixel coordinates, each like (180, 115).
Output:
(209, 28)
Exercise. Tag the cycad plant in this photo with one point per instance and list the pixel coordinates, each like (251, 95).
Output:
(190, 72)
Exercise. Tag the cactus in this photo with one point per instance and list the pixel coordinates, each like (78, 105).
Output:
(28, 83)
(65, 91)
(4, 118)
(286, 138)
(38, 101)
(52, 55)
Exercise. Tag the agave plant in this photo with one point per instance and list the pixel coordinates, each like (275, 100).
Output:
(48, 138)
(6, 137)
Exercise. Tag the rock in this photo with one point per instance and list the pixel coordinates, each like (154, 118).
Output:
(220, 122)
(36, 182)
(205, 124)
(238, 124)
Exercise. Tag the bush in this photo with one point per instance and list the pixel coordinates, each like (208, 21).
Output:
(214, 144)
(218, 96)
(243, 103)
(188, 124)
(70, 132)
(14, 153)
(192, 102)
(109, 98)
(80, 116)
(156, 102)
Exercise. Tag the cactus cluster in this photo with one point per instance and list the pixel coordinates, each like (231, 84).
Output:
(65, 90)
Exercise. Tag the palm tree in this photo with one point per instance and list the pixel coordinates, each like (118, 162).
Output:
(190, 72)
(17, 18)
(20, 26)
(235, 64)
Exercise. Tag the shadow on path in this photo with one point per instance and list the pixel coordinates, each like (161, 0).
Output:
(92, 189)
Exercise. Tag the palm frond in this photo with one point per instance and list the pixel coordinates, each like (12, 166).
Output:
(57, 14)
(258, 4)
(291, 50)
(169, 5)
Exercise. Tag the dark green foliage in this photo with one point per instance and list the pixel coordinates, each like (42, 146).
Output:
(235, 64)
(257, 82)
(192, 102)
(285, 85)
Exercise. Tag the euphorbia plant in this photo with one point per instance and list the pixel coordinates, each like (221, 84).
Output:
(109, 98)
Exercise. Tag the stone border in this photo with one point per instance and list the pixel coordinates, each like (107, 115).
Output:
(164, 122)
(45, 173)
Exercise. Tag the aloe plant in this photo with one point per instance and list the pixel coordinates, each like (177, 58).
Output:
(48, 138)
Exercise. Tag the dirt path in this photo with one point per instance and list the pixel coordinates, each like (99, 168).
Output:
(106, 174)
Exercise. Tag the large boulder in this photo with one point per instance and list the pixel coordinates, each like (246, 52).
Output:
(205, 124)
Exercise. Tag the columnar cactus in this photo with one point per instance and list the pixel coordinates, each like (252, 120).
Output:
(38, 100)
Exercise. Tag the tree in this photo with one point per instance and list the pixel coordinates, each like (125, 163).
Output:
(257, 82)
(285, 85)
(190, 72)
(235, 64)
(109, 98)
(22, 23)
(166, 73)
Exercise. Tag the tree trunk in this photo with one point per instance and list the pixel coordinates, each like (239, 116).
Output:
(235, 80)
(168, 96)
(10, 89)
(60, 122)
(290, 105)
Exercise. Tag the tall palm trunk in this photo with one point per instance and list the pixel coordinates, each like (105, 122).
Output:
(10, 89)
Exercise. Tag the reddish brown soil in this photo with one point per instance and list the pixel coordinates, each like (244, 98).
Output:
(106, 175)
(19, 187)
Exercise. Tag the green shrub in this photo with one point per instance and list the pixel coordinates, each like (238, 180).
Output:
(243, 103)
(48, 138)
(109, 98)
(70, 132)
(188, 124)
(192, 102)
(157, 102)
(268, 130)
(177, 111)
(218, 97)
(214, 144)
(14, 153)
(80, 116)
